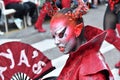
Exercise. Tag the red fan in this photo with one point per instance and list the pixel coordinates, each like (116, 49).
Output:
(20, 61)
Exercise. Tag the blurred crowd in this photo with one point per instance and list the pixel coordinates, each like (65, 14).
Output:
(35, 11)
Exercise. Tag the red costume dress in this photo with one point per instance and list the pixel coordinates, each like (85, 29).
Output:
(81, 65)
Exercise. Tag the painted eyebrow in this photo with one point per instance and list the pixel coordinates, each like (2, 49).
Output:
(62, 32)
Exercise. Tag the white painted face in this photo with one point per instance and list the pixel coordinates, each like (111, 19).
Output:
(63, 34)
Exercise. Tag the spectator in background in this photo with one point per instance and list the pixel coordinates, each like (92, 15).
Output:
(21, 10)
(94, 4)
(16, 4)
(32, 10)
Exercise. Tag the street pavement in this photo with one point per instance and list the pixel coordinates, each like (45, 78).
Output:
(45, 43)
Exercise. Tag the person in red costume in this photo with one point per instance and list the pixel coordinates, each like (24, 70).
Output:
(82, 43)
(49, 8)
(111, 23)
